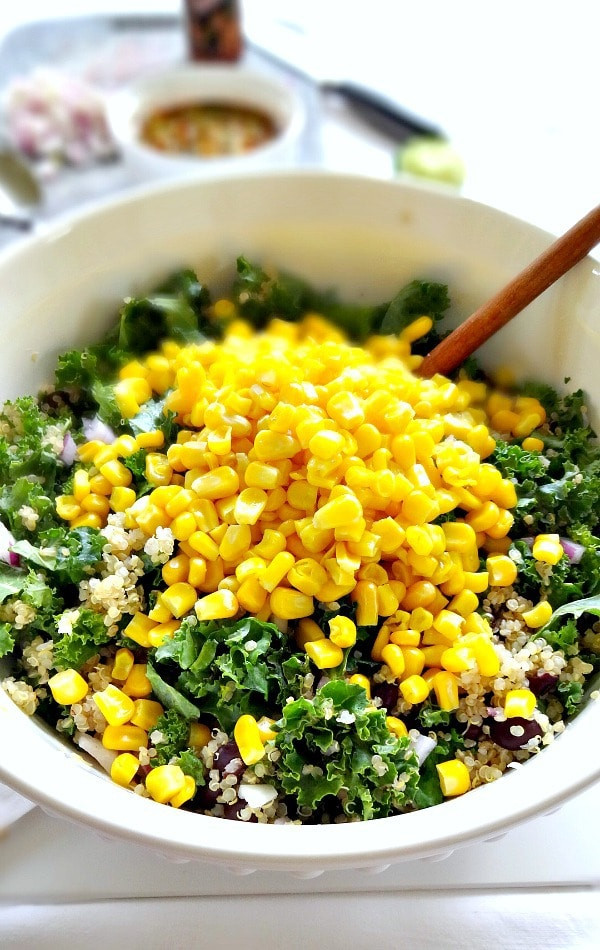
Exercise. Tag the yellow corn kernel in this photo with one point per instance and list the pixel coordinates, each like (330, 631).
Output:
(306, 631)
(157, 469)
(460, 536)
(67, 507)
(122, 664)
(179, 598)
(454, 777)
(162, 632)
(201, 542)
(200, 735)
(419, 594)
(236, 542)
(547, 548)
(159, 613)
(150, 440)
(277, 570)
(116, 707)
(88, 520)
(262, 475)
(124, 769)
(251, 595)
(405, 637)
(326, 443)
(381, 640)
(393, 657)
(505, 495)
(387, 601)
(342, 631)
(307, 575)
(414, 661)
(97, 504)
(414, 689)
(164, 782)
(483, 518)
(124, 738)
(501, 569)
(186, 794)
(464, 603)
(325, 654)
(357, 679)
(396, 726)
(475, 623)
(275, 446)
(220, 483)
(420, 619)
(289, 604)
(365, 595)
(249, 505)
(346, 409)
(532, 444)
(146, 713)
(538, 615)
(418, 507)
(176, 569)
(476, 582)
(415, 330)
(67, 687)
(81, 484)
(116, 473)
(448, 623)
(197, 571)
(139, 628)
(419, 539)
(137, 683)
(247, 736)
(457, 659)
(151, 517)
(219, 605)
(338, 512)
(121, 498)
(519, 702)
(445, 686)
(183, 526)
(486, 658)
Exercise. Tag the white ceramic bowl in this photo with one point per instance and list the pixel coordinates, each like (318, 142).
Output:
(234, 85)
(366, 238)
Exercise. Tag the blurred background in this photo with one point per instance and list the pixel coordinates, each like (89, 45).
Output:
(512, 87)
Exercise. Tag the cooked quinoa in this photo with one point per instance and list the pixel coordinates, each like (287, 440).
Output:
(275, 576)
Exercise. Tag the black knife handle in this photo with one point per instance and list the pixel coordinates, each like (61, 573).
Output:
(381, 112)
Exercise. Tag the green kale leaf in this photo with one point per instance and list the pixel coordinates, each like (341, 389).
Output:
(69, 554)
(233, 667)
(7, 639)
(339, 755)
(72, 650)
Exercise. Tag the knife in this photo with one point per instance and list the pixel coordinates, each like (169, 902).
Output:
(286, 44)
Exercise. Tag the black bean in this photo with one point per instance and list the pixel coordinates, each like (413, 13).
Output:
(472, 731)
(541, 683)
(387, 693)
(232, 812)
(224, 755)
(500, 732)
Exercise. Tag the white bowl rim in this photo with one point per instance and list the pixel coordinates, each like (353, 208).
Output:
(563, 770)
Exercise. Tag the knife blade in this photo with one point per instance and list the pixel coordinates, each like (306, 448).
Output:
(286, 44)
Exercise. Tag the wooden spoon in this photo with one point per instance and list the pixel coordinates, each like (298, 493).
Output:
(559, 258)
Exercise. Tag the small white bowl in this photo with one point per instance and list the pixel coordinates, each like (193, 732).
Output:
(233, 85)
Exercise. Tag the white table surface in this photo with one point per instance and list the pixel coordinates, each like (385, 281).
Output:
(515, 86)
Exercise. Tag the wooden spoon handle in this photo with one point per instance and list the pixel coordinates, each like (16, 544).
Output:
(559, 258)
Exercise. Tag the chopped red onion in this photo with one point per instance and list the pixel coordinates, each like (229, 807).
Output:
(69, 450)
(6, 542)
(95, 428)
(57, 119)
(573, 550)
